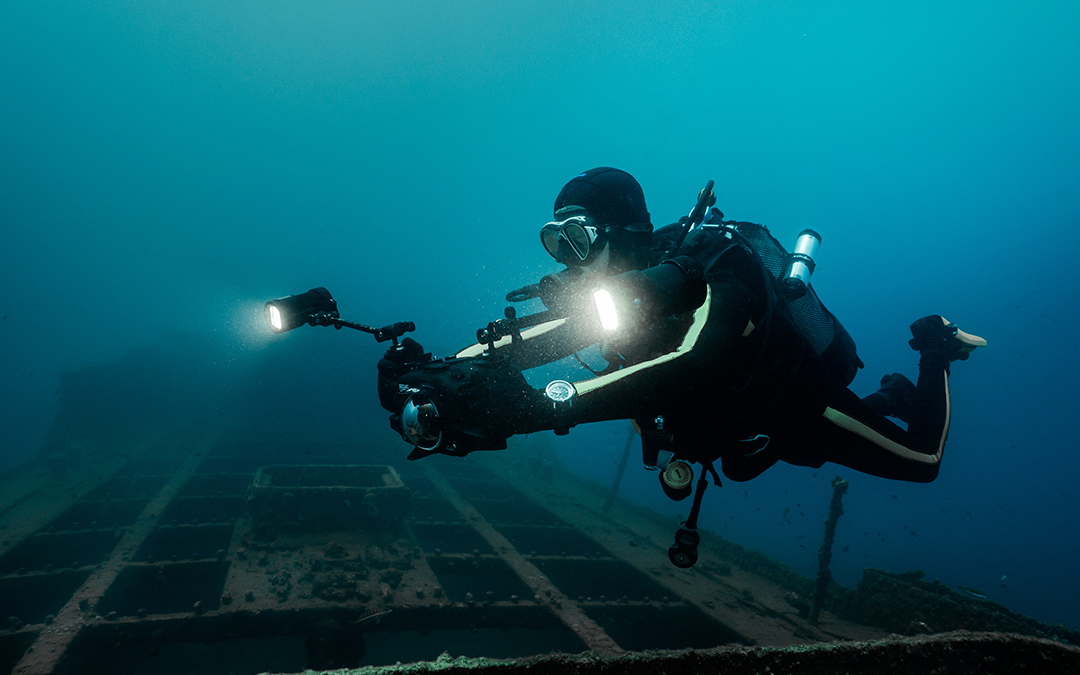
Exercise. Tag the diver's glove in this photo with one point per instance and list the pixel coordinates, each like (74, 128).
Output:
(398, 361)
(935, 335)
(895, 397)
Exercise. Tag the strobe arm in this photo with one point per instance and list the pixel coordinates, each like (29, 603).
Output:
(318, 308)
(391, 332)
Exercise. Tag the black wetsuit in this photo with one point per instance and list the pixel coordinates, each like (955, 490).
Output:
(737, 380)
(787, 392)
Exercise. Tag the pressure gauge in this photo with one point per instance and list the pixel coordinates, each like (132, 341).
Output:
(676, 479)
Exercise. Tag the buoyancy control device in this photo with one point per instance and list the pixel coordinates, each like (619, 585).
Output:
(824, 333)
(825, 336)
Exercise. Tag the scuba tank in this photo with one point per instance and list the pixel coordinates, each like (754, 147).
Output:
(796, 279)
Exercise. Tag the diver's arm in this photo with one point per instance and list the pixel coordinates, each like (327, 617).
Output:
(484, 398)
(702, 359)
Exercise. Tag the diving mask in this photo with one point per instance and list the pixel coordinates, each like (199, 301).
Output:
(571, 241)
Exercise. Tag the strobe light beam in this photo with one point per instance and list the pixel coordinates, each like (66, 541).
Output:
(293, 311)
(632, 298)
(605, 308)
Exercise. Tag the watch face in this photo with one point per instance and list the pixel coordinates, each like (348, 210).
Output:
(560, 391)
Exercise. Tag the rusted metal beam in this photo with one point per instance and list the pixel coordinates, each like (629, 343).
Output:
(542, 587)
(54, 639)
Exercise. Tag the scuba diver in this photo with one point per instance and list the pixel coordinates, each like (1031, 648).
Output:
(723, 352)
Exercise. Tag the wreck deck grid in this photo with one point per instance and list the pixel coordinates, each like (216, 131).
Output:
(161, 567)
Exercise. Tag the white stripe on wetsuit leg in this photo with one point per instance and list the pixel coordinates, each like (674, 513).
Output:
(858, 428)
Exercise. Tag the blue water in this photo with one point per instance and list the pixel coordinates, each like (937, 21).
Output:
(170, 166)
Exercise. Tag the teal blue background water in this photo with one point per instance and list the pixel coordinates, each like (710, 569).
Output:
(167, 167)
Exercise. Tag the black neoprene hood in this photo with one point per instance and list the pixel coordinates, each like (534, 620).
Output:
(610, 196)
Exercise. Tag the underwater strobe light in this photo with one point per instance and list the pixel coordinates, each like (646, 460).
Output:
(796, 279)
(293, 311)
(318, 308)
